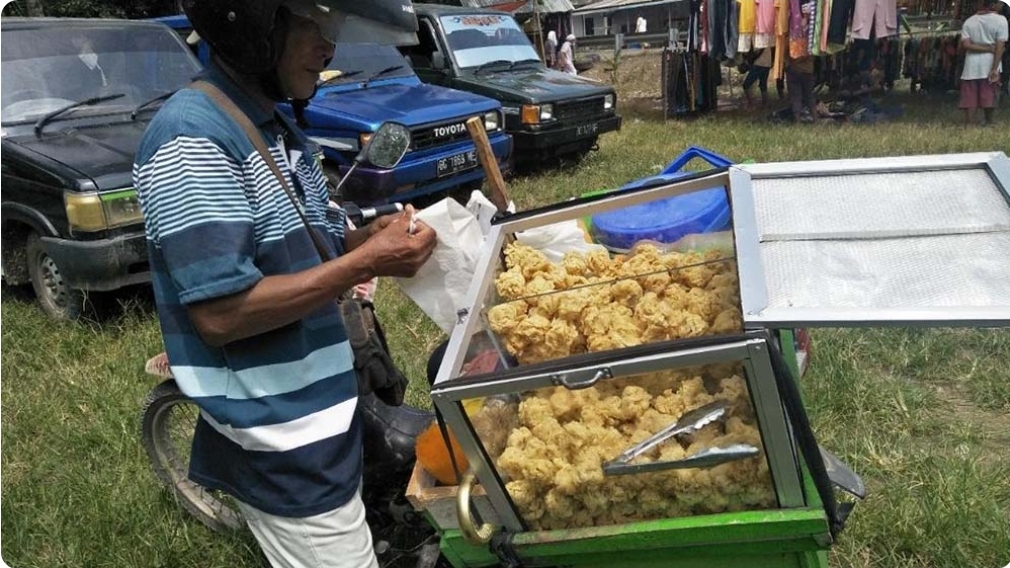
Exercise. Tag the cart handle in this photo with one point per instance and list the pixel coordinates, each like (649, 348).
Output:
(474, 535)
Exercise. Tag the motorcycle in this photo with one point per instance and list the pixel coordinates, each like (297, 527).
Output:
(402, 537)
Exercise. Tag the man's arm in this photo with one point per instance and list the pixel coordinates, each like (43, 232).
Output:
(967, 45)
(997, 58)
(276, 301)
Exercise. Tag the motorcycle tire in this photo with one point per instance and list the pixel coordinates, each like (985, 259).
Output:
(168, 420)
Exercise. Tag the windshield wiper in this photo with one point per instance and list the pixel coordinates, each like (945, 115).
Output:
(514, 65)
(378, 74)
(490, 63)
(342, 76)
(145, 104)
(86, 102)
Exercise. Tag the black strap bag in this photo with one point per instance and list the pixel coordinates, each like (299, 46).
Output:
(375, 368)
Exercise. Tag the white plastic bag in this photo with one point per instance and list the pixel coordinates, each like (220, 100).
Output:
(439, 288)
(557, 239)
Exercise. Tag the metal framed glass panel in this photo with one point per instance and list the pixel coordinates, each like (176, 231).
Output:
(660, 430)
(920, 240)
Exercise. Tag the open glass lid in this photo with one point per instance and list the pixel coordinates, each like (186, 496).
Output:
(918, 240)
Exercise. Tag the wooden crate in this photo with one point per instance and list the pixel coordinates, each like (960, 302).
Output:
(438, 502)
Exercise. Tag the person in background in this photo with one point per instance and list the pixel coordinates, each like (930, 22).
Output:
(983, 39)
(758, 73)
(566, 55)
(1005, 78)
(246, 303)
(800, 83)
(551, 50)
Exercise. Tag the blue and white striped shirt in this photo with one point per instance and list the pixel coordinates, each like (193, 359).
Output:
(278, 427)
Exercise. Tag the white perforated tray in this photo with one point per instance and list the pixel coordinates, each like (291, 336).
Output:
(912, 240)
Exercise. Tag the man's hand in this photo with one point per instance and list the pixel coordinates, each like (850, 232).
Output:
(393, 250)
(994, 77)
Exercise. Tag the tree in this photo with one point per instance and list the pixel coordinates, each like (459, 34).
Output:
(131, 9)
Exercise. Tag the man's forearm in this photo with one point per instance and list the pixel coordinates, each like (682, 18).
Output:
(276, 301)
(998, 56)
(969, 45)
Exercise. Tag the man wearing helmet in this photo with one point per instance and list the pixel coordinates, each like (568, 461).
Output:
(245, 299)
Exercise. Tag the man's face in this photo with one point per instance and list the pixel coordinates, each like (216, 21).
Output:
(305, 56)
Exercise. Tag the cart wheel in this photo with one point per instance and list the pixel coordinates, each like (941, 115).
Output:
(168, 421)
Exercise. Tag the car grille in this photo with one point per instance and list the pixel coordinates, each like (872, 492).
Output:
(437, 135)
(583, 110)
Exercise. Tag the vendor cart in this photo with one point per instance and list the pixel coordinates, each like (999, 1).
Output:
(688, 446)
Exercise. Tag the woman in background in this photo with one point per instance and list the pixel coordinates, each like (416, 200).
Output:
(551, 50)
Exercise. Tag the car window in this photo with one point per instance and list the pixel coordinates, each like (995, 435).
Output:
(368, 59)
(47, 67)
(482, 38)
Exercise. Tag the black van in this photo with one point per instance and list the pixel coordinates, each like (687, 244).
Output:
(76, 98)
(548, 113)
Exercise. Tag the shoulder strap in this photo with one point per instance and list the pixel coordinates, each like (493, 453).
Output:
(226, 104)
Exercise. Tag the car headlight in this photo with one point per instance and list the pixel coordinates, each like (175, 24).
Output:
(89, 212)
(608, 102)
(535, 114)
(491, 121)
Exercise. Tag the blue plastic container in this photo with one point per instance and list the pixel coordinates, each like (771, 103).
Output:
(665, 221)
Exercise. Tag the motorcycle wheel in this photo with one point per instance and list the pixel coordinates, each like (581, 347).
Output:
(168, 420)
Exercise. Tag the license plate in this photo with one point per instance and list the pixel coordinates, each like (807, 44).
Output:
(456, 163)
(587, 129)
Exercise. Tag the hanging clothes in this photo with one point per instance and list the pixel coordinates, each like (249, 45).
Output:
(781, 39)
(841, 16)
(874, 18)
(722, 29)
(747, 24)
(691, 80)
(764, 26)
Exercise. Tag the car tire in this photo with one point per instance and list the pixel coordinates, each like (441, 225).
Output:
(56, 298)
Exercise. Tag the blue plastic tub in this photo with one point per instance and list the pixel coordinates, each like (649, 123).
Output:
(665, 221)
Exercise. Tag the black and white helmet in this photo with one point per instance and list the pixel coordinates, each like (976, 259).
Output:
(249, 34)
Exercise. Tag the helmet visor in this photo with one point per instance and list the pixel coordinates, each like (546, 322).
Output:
(328, 20)
(390, 22)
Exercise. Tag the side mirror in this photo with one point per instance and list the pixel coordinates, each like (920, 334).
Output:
(383, 149)
(387, 146)
(438, 60)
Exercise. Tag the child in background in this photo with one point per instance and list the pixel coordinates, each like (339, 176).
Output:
(758, 73)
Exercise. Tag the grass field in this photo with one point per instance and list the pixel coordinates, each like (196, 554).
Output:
(923, 415)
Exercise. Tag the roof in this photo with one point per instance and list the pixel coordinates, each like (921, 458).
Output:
(614, 5)
(519, 7)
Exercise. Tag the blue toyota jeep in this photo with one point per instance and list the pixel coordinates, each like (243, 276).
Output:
(367, 84)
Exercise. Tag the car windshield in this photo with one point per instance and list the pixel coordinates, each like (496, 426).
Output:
(361, 61)
(482, 38)
(48, 67)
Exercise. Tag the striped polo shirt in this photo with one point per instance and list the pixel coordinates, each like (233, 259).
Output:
(278, 427)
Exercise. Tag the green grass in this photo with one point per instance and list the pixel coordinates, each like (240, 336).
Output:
(923, 415)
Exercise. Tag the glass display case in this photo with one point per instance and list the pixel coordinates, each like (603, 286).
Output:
(605, 388)
(625, 403)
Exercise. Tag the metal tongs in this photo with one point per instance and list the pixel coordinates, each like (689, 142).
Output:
(689, 423)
